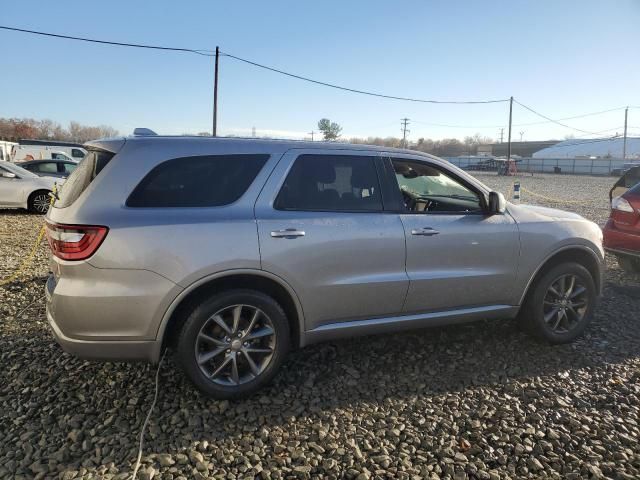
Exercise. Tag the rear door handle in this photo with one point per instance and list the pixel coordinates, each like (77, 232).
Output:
(287, 233)
(425, 232)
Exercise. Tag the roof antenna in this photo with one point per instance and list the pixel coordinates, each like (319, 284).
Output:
(144, 132)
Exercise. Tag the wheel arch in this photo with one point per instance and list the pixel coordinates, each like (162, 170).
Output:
(572, 253)
(259, 280)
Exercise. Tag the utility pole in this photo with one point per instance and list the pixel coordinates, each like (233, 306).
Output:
(509, 136)
(502, 135)
(215, 95)
(624, 142)
(311, 133)
(404, 123)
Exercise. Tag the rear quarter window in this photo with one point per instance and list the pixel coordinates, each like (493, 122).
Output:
(81, 177)
(201, 181)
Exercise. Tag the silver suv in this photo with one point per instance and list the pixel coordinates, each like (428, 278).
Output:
(233, 251)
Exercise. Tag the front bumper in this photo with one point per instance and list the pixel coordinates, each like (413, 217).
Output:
(98, 349)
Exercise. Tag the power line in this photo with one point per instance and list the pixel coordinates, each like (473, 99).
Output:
(568, 118)
(206, 53)
(521, 124)
(210, 53)
(551, 119)
(362, 92)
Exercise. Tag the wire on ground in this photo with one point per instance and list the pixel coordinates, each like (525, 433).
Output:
(26, 262)
(146, 420)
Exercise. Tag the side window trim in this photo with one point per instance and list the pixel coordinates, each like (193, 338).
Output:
(389, 162)
(373, 156)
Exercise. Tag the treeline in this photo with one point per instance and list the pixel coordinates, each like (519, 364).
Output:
(447, 147)
(14, 129)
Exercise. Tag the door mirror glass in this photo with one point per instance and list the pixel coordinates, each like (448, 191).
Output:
(497, 203)
(8, 175)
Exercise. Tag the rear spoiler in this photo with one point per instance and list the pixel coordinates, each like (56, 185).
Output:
(113, 145)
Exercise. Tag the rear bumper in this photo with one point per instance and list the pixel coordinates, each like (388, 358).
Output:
(619, 242)
(64, 313)
(623, 252)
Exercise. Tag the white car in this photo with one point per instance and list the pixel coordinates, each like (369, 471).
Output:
(20, 188)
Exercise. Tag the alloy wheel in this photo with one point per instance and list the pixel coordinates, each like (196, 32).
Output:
(235, 345)
(41, 203)
(565, 303)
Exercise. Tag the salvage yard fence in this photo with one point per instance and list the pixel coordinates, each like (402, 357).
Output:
(577, 166)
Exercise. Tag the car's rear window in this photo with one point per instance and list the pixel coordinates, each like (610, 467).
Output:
(202, 181)
(81, 177)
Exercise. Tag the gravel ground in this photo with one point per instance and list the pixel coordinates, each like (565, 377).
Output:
(473, 401)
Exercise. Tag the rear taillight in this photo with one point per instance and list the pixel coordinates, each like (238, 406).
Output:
(74, 242)
(621, 204)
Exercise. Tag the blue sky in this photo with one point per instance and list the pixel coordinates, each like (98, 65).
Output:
(562, 58)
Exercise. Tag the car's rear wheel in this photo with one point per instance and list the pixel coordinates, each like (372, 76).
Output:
(560, 304)
(629, 264)
(233, 344)
(39, 202)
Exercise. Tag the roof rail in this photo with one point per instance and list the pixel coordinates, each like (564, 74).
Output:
(144, 132)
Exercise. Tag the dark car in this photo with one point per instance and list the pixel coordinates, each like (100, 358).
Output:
(629, 178)
(50, 168)
(622, 231)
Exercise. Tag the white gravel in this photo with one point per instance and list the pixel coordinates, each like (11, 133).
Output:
(473, 401)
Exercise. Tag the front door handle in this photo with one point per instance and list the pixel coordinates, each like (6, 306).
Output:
(287, 233)
(425, 232)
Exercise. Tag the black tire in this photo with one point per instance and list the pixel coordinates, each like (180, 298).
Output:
(629, 264)
(39, 202)
(533, 311)
(190, 343)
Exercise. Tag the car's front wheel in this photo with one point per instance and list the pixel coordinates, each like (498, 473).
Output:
(560, 303)
(629, 264)
(233, 344)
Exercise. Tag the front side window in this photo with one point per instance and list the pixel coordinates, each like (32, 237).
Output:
(426, 189)
(331, 183)
(203, 181)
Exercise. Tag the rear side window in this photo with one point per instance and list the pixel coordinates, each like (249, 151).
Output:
(82, 176)
(203, 181)
(346, 183)
(48, 167)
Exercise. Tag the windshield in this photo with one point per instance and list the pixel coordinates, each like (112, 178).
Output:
(17, 170)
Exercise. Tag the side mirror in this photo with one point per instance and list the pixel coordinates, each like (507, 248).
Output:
(497, 203)
(8, 175)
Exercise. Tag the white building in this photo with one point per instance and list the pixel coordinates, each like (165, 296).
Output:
(592, 148)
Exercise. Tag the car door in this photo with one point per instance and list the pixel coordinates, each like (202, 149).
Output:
(323, 229)
(458, 256)
(11, 189)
